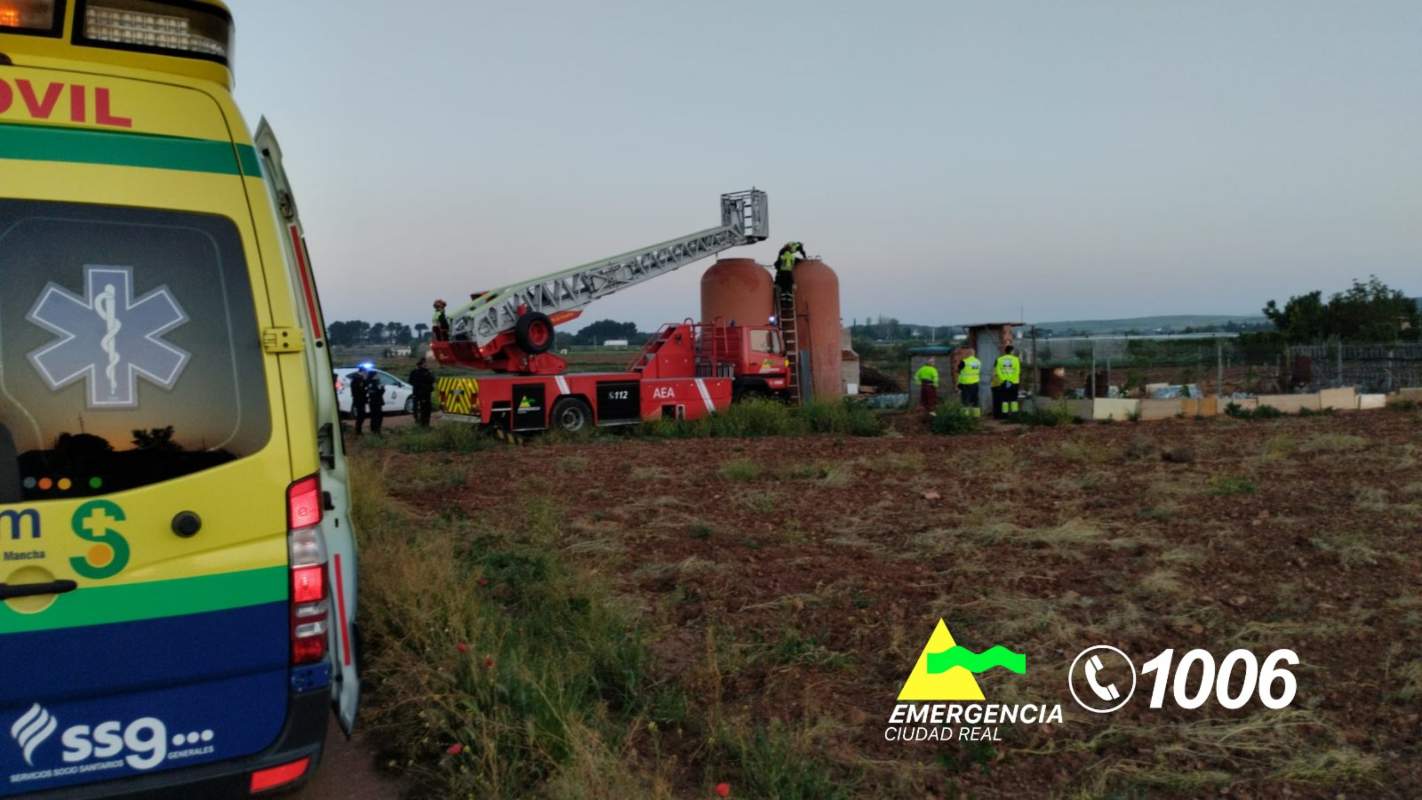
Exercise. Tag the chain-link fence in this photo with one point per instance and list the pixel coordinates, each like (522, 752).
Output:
(1126, 365)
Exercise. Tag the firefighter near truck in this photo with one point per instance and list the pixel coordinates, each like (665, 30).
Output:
(686, 371)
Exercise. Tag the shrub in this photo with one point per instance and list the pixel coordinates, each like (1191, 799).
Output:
(1262, 412)
(755, 417)
(777, 761)
(761, 417)
(846, 417)
(448, 437)
(951, 419)
(1044, 416)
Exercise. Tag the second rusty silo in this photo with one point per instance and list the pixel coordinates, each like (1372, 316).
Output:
(737, 290)
(818, 326)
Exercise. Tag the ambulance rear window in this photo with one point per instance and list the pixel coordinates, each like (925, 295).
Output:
(129, 349)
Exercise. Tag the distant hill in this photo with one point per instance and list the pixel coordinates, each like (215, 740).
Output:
(1167, 324)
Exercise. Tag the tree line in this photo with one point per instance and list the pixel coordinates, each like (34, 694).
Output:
(351, 332)
(1367, 312)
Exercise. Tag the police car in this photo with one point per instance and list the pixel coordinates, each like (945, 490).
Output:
(399, 395)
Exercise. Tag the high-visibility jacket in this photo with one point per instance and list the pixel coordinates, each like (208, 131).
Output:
(1007, 369)
(970, 372)
(927, 374)
(786, 260)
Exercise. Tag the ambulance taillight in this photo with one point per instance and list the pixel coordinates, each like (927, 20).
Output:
(309, 592)
(35, 16)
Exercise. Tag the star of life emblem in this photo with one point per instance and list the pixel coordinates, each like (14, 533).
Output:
(108, 338)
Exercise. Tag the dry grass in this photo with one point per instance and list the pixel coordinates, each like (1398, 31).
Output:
(741, 469)
(515, 719)
(769, 655)
(901, 461)
(1333, 443)
(1161, 582)
(1149, 758)
(1351, 549)
(647, 474)
(1084, 450)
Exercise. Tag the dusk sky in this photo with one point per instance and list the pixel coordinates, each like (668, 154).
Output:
(952, 161)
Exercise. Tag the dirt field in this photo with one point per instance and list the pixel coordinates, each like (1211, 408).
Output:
(788, 585)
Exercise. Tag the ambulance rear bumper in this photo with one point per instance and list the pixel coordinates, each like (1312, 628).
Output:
(303, 736)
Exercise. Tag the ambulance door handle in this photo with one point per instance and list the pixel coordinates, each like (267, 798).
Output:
(10, 590)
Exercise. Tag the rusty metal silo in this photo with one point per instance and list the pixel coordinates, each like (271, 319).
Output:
(817, 322)
(739, 290)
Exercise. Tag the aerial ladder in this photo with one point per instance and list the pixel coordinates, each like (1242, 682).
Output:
(510, 329)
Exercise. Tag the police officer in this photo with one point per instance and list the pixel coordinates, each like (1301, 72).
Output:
(970, 371)
(358, 390)
(1006, 375)
(375, 398)
(927, 379)
(785, 261)
(423, 382)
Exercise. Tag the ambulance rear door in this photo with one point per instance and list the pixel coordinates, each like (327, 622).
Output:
(336, 522)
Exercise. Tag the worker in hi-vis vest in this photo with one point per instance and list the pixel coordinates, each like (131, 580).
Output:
(927, 379)
(785, 262)
(970, 376)
(1006, 376)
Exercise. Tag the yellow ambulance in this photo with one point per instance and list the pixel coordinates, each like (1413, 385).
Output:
(177, 564)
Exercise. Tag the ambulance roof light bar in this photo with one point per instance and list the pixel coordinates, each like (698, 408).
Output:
(166, 28)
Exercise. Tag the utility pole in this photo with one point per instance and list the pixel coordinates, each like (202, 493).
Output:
(1093, 369)
(1219, 367)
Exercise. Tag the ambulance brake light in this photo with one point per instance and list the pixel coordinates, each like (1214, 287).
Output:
(27, 15)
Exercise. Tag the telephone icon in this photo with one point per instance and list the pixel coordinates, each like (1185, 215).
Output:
(1108, 692)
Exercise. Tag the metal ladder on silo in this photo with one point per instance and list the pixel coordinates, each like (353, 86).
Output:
(786, 317)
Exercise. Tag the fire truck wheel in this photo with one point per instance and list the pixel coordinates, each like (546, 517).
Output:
(534, 332)
(571, 415)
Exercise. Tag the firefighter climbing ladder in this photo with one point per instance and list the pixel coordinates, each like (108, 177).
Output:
(745, 219)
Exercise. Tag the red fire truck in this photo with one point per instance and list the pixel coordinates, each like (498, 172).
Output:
(686, 371)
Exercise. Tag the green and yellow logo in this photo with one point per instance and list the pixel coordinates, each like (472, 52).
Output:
(945, 669)
(95, 522)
